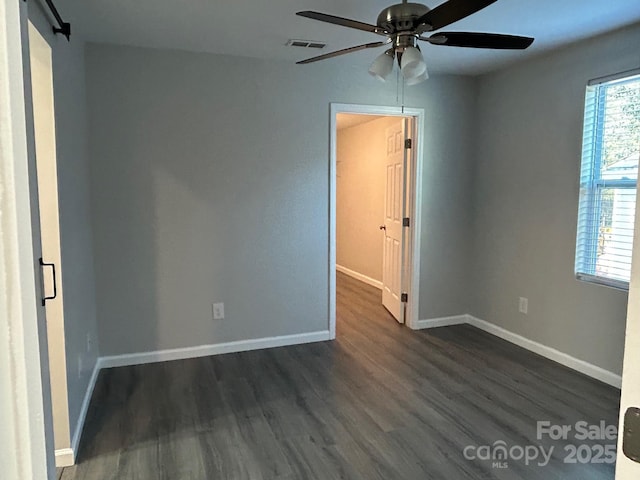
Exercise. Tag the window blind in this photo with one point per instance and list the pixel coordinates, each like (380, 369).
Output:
(608, 181)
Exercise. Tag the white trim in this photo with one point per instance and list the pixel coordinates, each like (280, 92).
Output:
(65, 457)
(359, 276)
(603, 281)
(411, 317)
(26, 432)
(333, 149)
(439, 322)
(562, 358)
(581, 366)
(77, 433)
(415, 210)
(616, 76)
(214, 349)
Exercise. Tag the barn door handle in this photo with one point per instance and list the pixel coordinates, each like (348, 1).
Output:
(383, 227)
(55, 288)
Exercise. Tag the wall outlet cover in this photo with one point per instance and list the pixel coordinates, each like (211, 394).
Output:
(217, 311)
(524, 305)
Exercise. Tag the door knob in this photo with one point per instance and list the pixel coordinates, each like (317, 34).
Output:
(631, 439)
(383, 227)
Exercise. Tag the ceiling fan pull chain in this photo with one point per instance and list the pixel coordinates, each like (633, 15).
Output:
(403, 84)
(397, 87)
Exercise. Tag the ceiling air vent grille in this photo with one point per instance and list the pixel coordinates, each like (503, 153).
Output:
(306, 44)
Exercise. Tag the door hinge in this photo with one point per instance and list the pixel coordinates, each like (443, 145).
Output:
(406, 222)
(404, 298)
(408, 143)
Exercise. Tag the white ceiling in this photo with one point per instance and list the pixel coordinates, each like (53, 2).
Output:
(348, 120)
(261, 28)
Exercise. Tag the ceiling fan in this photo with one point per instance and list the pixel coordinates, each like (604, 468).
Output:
(404, 24)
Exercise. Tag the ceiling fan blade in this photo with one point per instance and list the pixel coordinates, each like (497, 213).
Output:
(343, 52)
(344, 22)
(449, 12)
(480, 40)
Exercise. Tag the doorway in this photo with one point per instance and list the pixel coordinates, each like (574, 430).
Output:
(41, 64)
(378, 223)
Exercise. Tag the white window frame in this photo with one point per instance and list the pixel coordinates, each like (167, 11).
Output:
(591, 160)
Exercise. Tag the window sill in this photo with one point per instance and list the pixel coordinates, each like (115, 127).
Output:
(605, 282)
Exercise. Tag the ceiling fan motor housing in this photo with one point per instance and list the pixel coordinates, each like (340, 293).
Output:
(401, 17)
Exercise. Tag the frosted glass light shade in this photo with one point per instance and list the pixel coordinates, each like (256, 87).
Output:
(382, 66)
(419, 78)
(412, 64)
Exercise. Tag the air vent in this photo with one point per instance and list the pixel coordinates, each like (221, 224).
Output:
(306, 44)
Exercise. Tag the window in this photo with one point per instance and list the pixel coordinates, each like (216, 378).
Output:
(608, 181)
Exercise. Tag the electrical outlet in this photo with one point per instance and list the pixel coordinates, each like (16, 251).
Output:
(524, 305)
(217, 310)
(89, 342)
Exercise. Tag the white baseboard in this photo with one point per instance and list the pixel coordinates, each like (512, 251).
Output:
(581, 366)
(439, 322)
(215, 349)
(75, 441)
(358, 276)
(567, 360)
(65, 457)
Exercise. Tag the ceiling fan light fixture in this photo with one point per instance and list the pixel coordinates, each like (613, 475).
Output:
(412, 64)
(382, 65)
(418, 79)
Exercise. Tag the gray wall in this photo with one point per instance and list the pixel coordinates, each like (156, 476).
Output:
(361, 171)
(526, 201)
(209, 182)
(75, 216)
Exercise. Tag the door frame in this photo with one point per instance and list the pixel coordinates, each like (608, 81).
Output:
(414, 206)
(26, 420)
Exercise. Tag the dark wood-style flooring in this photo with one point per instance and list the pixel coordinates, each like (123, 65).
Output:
(381, 402)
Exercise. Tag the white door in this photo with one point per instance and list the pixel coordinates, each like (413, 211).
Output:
(627, 469)
(394, 241)
(47, 181)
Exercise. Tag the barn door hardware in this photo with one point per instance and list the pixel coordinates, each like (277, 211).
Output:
(55, 281)
(63, 27)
